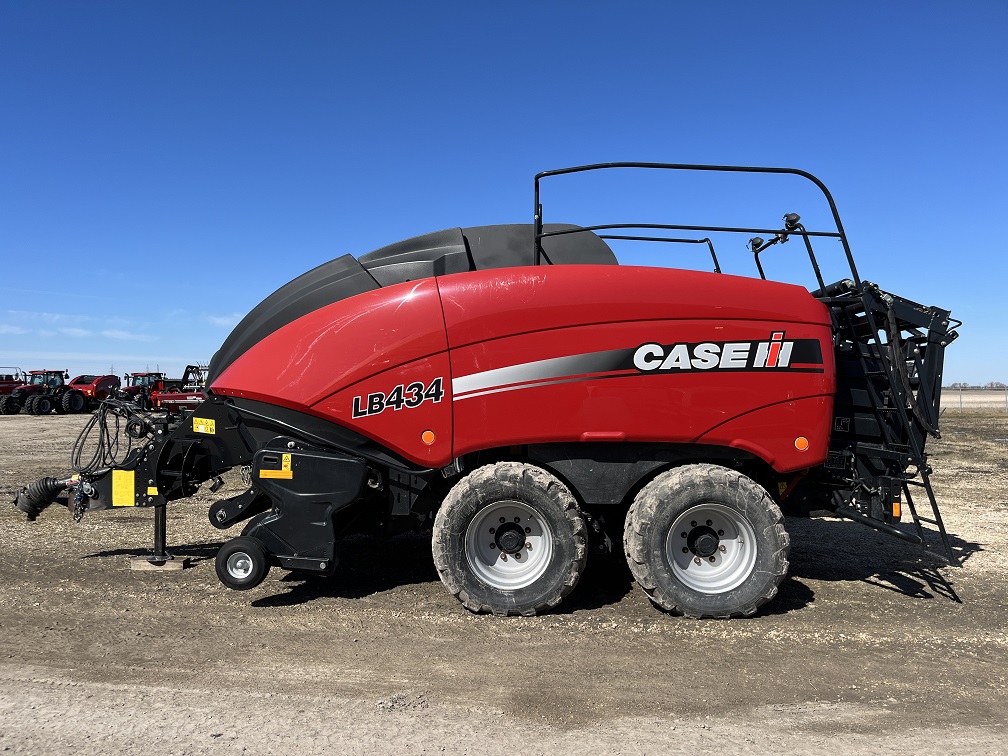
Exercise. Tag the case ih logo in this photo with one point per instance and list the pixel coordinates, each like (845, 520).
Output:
(775, 354)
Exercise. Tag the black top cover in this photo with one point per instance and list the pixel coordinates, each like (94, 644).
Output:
(455, 250)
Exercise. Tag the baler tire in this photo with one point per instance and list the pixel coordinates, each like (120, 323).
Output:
(242, 563)
(525, 498)
(670, 553)
(73, 402)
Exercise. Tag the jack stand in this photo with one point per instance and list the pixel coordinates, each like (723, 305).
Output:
(160, 559)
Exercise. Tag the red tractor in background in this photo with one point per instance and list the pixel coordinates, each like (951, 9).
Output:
(43, 391)
(140, 386)
(151, 390)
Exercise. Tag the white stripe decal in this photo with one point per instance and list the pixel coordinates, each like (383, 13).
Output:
(540, 371)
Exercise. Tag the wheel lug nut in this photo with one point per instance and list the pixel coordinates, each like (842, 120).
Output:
(721, 548)
(528, 547)
(683, 534)
(528, 530)
(720, 532)
(517, 519)
(696, 560)
(493, 530)
(692, 523)
(709, 523)
(685, 550)
(503, 557)
(503, 520)
(711, 558)
(517, 556)
(493, 545)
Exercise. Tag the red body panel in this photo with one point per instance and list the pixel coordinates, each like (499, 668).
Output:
(487, 305)
(556, 354)
(541, 316)
(365, 344)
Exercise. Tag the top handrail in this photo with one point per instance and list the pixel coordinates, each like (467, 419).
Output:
(538, 219)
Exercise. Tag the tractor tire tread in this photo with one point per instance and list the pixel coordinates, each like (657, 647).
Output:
(508, 475)
(643, 513)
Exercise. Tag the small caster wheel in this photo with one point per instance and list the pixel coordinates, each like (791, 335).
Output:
(242, 563)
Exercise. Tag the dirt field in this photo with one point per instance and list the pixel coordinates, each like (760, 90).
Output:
(867, 649)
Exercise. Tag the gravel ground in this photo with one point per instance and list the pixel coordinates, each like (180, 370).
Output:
(866, 649)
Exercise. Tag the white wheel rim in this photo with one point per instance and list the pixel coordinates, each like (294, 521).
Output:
(731, 563)
(239, 565)
(512, 568)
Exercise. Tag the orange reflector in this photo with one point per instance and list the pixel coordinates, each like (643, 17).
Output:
(896, 511)
(801, 443)
(427, 437)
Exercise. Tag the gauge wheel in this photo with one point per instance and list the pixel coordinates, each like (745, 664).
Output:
(242, 563)
(706, 541)
(509, 539)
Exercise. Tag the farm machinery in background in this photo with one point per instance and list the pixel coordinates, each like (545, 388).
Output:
(10, 379)
(138, 387)
(185, 394)
(153, 390)
(528, 401)
(42, 392)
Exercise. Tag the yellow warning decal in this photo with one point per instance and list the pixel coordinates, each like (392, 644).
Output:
(152, 491)
(203, 425)
(122, 488)
(284, 473)
(781, 488)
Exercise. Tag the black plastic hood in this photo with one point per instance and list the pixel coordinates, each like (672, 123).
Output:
(330, 282)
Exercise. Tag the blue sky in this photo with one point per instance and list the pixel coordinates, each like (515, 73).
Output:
(165, 166)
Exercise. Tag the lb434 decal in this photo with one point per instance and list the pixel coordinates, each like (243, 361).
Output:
(403, 396)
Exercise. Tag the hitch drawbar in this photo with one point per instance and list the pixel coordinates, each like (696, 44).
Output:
(34, 498)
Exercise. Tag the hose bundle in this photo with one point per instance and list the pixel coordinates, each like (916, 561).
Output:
(106, 450)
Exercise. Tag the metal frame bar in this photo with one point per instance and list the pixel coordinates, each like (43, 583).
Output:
(708, 242)
(839, 234)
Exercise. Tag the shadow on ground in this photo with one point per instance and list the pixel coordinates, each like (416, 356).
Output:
(197, 552)
(835, 549)
(821, 549)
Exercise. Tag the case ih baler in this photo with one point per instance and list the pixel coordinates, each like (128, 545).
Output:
(516, 391)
